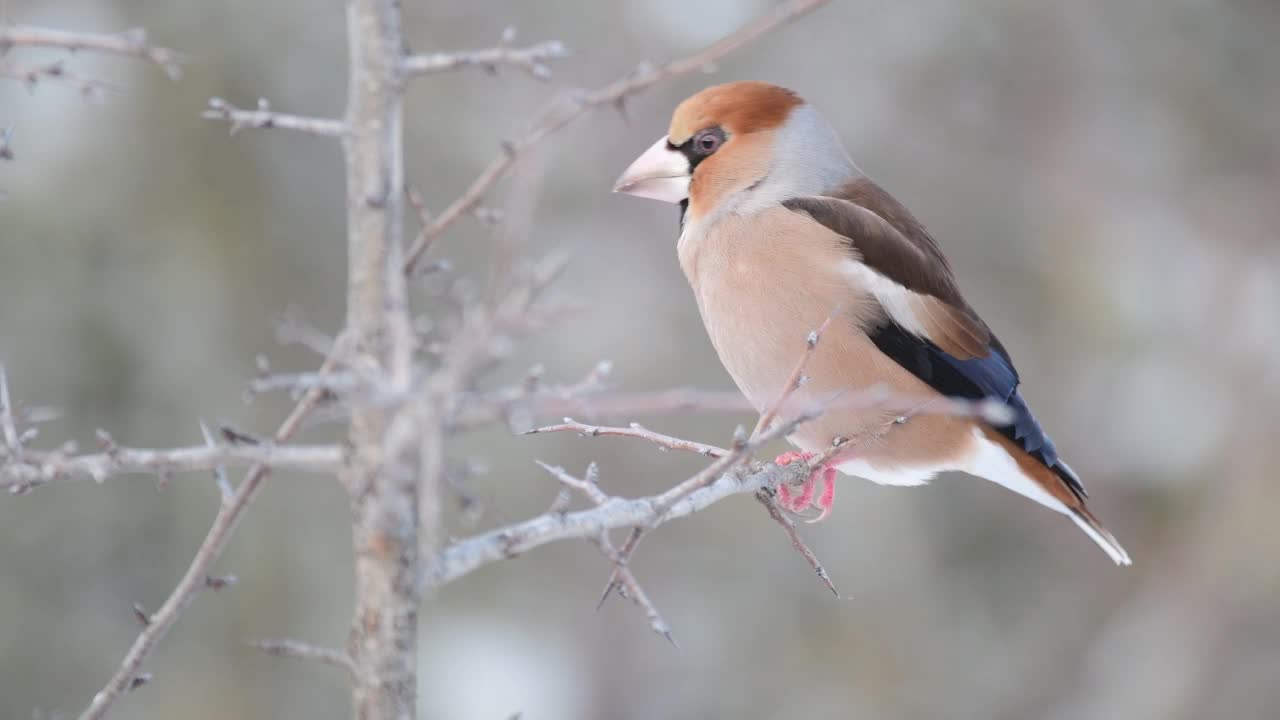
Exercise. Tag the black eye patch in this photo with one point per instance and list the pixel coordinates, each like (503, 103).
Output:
(701, 146)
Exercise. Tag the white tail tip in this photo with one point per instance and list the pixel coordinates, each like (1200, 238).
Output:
(1103, 538)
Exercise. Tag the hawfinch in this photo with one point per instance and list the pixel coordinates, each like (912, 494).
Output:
(779, 229)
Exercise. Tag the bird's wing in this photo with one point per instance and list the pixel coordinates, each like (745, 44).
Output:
(930, 331)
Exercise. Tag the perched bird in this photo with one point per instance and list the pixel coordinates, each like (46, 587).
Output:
(779, 229)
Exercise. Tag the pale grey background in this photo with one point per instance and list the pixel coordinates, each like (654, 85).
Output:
(1104, 177)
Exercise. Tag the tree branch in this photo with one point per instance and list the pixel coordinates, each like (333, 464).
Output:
(265, 118)
(38, 468)
(532, 59)
(470, 554)
(766, 498)
(615, 94)
(303, 651)
(635, 430)
(131, 43)
(197, 575)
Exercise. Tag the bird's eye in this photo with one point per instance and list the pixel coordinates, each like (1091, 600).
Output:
(708, 141)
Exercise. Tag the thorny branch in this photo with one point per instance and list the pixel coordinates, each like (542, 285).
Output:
(130, 43)
(589, 486)
(466, 556)
(766, 498)
(198, 573)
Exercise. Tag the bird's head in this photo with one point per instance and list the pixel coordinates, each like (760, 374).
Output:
(738, 142)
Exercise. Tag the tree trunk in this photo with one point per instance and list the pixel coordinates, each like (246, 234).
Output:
(382, 481)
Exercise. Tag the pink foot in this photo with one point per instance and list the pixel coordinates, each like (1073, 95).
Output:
(828, 497)
(787, 458)
(784, 496)
(805, 500)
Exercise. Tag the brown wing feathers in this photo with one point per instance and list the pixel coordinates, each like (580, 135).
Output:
(890, 242)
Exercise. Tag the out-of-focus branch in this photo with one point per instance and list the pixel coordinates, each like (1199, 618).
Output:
(797, 377)
(635, 430)
(614, 95)
(198, 575)
(303, 651)
(533, 59)
(55, 71)
(520, 404)
(40, 467)
(130, 43)
(6, 147)
(265, 118)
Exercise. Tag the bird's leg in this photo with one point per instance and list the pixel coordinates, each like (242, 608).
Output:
(789, 502)
(805, 500)
(784, 496)
(828, 496)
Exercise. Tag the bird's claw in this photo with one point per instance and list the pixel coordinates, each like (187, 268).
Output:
(798, 503)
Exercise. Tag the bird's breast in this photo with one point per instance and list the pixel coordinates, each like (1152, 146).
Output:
(763, 283)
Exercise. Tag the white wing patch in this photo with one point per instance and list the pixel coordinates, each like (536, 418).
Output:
(894, 298)
(952, 329)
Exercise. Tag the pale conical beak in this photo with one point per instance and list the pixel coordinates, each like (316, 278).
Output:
(661, 173)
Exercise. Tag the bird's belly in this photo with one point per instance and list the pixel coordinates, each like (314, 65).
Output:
(760, 300)
(761, 337)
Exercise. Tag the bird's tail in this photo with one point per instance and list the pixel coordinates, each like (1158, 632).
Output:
(1000, 460)
(1091, 527)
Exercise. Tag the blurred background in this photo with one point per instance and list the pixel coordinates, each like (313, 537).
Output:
(1104, 176)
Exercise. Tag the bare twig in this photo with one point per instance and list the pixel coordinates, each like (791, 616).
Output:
(621, 575)
(766, 498)
(613, 95)
(600, 403)
(338, 383)
(469, 554)
(266, 118)
(633, 589)
(197, 574)
(532, 59)
(40, 467)
(56, 71)
(740, 452)
(303, 651)
(586, 487)
(420, 212)
(797, 378)
(219, 471)
(131, 43)
(635, 430)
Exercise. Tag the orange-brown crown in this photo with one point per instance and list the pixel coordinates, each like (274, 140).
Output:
(738, 107)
